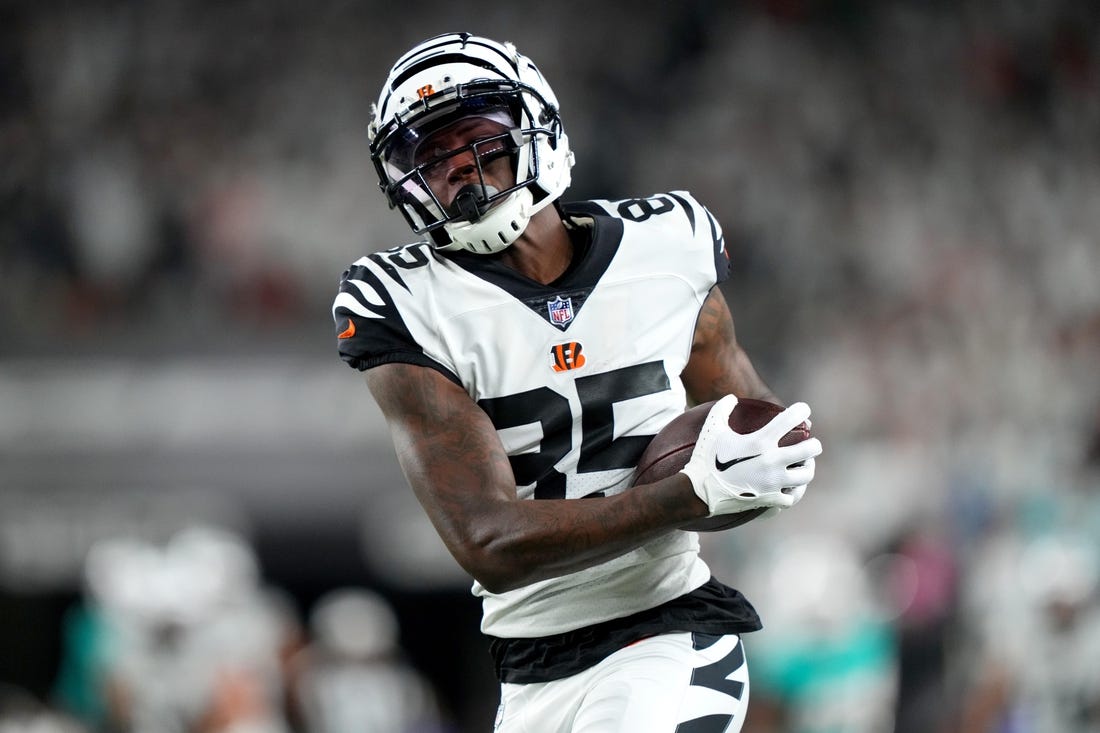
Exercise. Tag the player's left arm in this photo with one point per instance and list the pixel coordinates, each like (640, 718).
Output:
(718, 365)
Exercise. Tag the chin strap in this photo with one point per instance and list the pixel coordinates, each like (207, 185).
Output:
(472, 201)
(495, 228)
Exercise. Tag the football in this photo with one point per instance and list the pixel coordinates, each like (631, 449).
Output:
(671, 448)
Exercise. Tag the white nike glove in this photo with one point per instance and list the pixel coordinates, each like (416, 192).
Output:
(734, 473)
(796, 495)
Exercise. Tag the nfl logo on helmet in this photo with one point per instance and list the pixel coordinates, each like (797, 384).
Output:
(561, 310)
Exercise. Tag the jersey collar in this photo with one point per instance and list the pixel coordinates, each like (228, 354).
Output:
(559, 302)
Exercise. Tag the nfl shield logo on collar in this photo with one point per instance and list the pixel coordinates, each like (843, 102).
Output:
(561, 310)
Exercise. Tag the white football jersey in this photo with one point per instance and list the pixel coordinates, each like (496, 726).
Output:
(577, 376)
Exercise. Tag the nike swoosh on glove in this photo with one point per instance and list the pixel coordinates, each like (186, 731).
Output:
(733, 472)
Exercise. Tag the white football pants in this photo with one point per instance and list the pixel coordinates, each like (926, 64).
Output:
(672, 683)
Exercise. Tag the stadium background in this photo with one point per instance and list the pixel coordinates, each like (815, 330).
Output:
(910, 193)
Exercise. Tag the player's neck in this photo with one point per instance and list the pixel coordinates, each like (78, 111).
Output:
(544, 251)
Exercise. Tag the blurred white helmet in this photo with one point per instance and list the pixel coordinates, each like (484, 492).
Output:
(818, 584)
(450, 77)
(355, 622)
(200, 572)
(1060, 569)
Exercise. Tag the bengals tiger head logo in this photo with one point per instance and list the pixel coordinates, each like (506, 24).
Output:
(567, 356)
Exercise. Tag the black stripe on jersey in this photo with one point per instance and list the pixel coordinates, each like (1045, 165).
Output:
(363, 274)
(687, 210)
(382, 339)
(717, 723)
(388, 269)
(407, 257)
(721, 257)
(718, 239)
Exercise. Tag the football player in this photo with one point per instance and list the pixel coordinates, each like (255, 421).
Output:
(523, 354)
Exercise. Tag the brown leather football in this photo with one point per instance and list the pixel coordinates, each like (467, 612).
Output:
(671, 448)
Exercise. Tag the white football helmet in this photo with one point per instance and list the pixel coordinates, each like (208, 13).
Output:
(450, 77)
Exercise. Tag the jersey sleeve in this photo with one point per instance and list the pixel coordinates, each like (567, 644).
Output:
(370, 328)
(705, 227)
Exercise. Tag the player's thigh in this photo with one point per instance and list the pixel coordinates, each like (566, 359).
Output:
(673, 683)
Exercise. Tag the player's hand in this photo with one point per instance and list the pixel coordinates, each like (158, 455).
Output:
(731, 472)
(795, 493)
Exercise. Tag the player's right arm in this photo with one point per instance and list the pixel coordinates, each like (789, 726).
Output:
(457, 467)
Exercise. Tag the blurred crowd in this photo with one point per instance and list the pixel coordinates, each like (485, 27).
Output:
(182, 635)
(911, 197)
